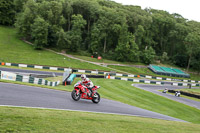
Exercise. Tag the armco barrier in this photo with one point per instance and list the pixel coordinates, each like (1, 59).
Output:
(28, 79)
(96, 72)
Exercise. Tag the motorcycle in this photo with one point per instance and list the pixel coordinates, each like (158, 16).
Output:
(81, 91)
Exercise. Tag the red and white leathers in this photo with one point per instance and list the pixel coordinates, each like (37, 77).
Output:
(87, 82)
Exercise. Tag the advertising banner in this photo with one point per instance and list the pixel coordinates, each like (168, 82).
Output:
(8, 76)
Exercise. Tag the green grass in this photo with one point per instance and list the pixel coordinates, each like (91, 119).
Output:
(105, 60)
(21, 120)
(122, 91)
(14, 50)
(133, 70)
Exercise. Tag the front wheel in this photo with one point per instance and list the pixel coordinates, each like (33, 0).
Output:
(96, 98)
(75, 96)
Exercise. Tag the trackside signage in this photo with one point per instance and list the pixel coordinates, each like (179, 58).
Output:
(8, 76)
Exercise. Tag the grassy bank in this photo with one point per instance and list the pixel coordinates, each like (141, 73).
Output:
(15, 50)
(14, 119)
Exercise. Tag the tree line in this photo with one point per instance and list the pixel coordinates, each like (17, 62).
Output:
(112, 30)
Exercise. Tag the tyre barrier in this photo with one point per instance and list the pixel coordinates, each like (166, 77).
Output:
(27, 79)
(150, 82)
(186, 94)
(95, 72)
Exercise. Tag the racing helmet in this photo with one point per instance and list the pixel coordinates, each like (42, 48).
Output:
(83, 76)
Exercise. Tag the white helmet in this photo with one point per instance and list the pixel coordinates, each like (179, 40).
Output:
(83, 76)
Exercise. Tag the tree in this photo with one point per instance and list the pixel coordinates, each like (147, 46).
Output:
(39, 32)
(26, 18)
(192, 43)
(7, 12)
(126, 49)
(75, 35)
(19, 5)
(148, 55)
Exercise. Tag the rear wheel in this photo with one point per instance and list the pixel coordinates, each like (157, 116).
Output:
(96, 98)
(75, 96)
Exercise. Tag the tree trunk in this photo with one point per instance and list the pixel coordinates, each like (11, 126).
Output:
(104, 49)
(188, 66)
(69, 23)
(88, 25)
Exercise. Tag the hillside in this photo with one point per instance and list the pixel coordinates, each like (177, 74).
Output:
(106, 28)
(15, 50)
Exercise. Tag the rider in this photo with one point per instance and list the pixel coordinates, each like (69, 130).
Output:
(87, 82)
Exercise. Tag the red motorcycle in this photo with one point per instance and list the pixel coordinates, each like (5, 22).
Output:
(81, 91)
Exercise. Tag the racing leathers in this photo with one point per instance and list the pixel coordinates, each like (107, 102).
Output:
(88, 83)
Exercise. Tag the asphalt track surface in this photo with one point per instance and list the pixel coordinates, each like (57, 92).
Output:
(28, 96)
(23, 71)
(155, 88)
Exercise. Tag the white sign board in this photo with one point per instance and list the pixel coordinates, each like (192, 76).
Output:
(8, 76)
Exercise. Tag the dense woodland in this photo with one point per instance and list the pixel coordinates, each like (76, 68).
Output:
(103, 27)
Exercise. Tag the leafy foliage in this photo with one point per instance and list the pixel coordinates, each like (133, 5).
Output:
(109, 29)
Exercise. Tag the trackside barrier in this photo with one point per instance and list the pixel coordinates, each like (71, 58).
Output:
(71, 79)
(150, 82)
(186, 93)
(97, 72)
(27, 79)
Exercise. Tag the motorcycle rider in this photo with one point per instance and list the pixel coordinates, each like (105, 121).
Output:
(87, 82)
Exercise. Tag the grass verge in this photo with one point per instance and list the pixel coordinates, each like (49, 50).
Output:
(15, 119)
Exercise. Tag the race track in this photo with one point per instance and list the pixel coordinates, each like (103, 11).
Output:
(21, 95)
(155, 88)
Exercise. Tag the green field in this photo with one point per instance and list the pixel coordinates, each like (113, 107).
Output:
(14, 50)
(21, 120)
